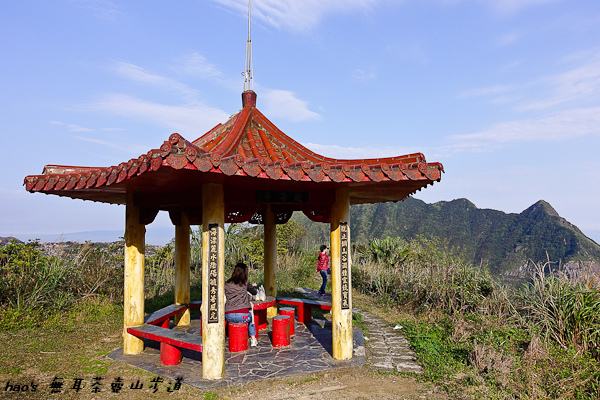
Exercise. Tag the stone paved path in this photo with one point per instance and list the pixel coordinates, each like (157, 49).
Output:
(387, 348)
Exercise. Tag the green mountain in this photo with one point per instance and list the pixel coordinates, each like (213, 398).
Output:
(506, 243)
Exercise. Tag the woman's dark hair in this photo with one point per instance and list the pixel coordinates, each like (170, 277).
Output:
(323, 247)
(239, 275)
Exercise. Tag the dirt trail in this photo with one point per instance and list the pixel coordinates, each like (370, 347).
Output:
(356, 383)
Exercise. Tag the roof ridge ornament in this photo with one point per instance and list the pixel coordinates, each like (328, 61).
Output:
(248, 96)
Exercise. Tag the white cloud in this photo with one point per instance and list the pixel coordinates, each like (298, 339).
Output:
(104, 9)
(354, 153)
(77, 128)
(581, 82)
(296, 15)
(193, 117)
(189, 120)
(304, 15)
(512, 6)
(361, 75)
(576, 85)
(413, 51)
(118, 146)
(559, 126)
(509, 66)
(508, 38)
(503, 7)
(195, 64)
(486, 91)
(285, 104)
(125, 148)
(140, 75)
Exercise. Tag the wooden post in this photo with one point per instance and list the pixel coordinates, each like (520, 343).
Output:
(213, 280)
(270, 251)
(182, 269)
(133, 302)
(341, 280)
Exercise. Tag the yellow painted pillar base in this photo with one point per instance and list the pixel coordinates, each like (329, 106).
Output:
(133, 301)
(270, 251)
(271, 312)
(213, 256)
(342, 334)
(182, 269)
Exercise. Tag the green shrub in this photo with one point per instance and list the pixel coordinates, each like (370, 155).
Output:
(30, 279)
(424, 275)
(295, 270)
(13, 319)
(440, 355)
(566, 311)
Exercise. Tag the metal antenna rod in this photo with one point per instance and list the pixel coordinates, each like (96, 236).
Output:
(248, 82)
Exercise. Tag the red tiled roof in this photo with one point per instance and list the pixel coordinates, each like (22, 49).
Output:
(247, 145)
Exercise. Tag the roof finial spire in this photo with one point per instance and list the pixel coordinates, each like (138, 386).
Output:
(248, 83)
(248, 96)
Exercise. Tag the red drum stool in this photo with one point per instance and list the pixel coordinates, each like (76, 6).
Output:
(281, 331)
(169, 355)
(238, 336)
(289, 311)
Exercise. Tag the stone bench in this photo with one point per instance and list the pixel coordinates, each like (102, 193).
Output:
(304, 307)
(163, 315)
(171, 341)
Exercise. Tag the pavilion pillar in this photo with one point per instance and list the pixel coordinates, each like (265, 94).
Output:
(341, 282)
(133, 302)
(213, 282)
(182, 268)
(270, 252)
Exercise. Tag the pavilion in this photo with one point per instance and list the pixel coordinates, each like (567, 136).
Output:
(245, 169)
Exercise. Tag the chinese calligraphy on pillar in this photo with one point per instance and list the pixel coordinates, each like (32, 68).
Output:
(213, 273)
(344, 259)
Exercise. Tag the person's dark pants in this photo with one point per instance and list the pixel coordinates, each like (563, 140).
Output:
(324, 276)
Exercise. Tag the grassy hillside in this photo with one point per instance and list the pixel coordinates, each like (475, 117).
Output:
(61, 313)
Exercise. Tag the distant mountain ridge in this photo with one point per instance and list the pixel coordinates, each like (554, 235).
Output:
(507, 243)
(6, 240)
(154, 235)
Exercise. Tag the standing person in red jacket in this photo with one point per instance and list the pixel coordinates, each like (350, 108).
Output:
(323, 267)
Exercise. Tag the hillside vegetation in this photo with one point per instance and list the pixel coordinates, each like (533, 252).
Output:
(508, 244)
(475, 338)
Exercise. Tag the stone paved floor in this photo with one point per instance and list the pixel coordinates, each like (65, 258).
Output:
(310, 351)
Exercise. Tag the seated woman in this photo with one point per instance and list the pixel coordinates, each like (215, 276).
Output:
(237, 305)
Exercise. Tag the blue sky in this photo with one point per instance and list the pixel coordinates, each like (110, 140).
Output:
(505, 93)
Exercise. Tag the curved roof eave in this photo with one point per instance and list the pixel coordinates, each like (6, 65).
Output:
(248, 148)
